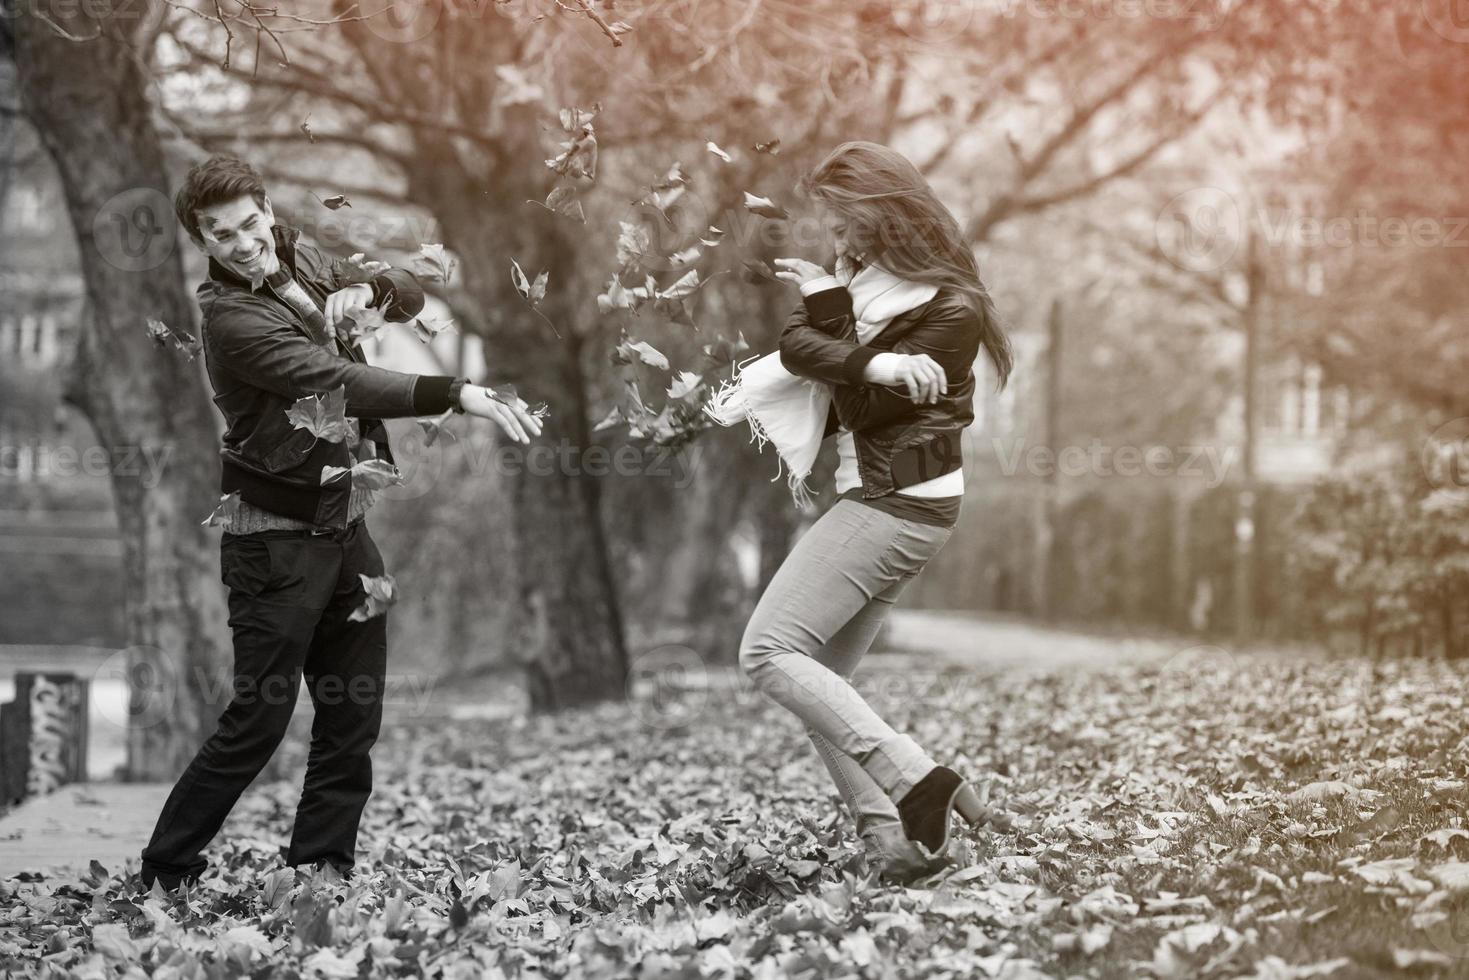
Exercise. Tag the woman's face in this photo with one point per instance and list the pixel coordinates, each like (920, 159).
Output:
(834, 226)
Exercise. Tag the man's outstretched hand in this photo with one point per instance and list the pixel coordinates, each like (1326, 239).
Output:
(513, 419)
(339, 302)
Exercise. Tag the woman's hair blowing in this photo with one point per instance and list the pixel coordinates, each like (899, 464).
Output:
(894, 219)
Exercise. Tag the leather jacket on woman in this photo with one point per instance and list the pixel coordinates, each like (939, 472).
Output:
(899, 444)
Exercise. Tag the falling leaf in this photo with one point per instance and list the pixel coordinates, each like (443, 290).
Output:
(435, 424)
(713, 148)
(369, 474)
(225, 511)
(434, 263)
(628, 351)
(614, 418)
(685, 383)
(324, 416)
(531, 292)
(724, 351)
(359, 322)
(756, 271)
(306, 128)
(764, 207)
(772, 147)
(381, 592)
(336, 202)
(563, 201)
(427, 326)
(163, 335)
(578, 156)
(356, 268)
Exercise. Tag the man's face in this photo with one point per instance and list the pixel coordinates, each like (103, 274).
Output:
(237, 235)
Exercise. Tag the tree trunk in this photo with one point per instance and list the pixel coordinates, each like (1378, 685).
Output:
(86, 96)
(565, 620)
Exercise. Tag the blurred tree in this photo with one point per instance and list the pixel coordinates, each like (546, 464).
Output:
(96, 126)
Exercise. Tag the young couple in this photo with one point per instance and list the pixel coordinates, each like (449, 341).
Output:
(880, 354)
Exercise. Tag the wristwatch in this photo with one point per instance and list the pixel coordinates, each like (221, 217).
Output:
(456, 387)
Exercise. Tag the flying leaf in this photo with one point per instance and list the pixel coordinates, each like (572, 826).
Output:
(369, 474)
(305, 127)
(163, 335)
(434, 263)
(337, 202)
(686, 256)
(578, 156)
(531, 292)
(628, 351)
(615, 297)
(724, 351)
(434, 425)
(357, 269)
(714, 148)
(381, 592)
(376, 474)
(324, 416)
(684, 384)
(686, 285)
(772, 147)
(713, 236)
(563, 201)
(632, 244)
(225, 511)
(613, 418)
(361, 321)
(756, 271)
(426, 326)
(764, 207)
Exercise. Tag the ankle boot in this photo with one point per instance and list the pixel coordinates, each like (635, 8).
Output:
(925, 809)
(897, 860)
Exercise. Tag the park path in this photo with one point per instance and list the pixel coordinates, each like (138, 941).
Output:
(109, 821)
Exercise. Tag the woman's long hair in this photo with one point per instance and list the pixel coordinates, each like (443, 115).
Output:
(895, 220)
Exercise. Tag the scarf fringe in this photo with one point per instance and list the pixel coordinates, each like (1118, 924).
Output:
(727, 407)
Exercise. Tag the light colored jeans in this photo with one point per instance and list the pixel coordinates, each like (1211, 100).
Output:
(815, 621)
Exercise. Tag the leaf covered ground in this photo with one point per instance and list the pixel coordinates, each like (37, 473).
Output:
(1254, 818)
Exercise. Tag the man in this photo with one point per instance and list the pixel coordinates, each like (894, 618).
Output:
(273, 332)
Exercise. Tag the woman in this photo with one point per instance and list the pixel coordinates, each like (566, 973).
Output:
(891, 338)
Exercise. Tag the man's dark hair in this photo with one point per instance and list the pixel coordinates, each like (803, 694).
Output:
(217, 180)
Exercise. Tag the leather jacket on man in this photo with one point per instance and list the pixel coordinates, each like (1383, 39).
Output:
(899, 444)
(262, 356)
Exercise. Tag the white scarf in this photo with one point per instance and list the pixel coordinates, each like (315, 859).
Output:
(790, 411)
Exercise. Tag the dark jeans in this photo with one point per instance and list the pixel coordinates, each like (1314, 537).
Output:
(291, 594)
